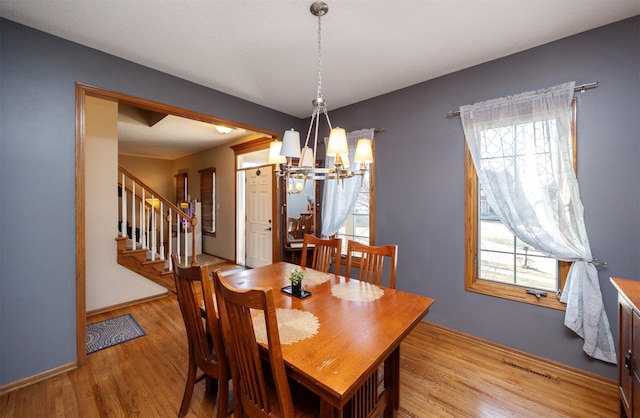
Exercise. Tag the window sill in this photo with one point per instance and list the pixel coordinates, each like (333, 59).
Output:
(514, 293)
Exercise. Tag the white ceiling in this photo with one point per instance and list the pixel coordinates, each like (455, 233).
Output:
(266, 51)
(154, 135)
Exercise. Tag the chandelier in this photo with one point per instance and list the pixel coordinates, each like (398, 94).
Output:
(285, 152)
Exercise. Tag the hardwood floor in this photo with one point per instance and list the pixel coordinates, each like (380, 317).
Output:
(443, 374)
(448, 374)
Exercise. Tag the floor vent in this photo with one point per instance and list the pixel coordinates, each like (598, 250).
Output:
(526, 369)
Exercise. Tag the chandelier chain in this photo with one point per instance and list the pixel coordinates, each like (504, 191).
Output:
(306, 169)
(319, 57)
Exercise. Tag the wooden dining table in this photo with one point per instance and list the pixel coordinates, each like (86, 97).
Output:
(352, 362)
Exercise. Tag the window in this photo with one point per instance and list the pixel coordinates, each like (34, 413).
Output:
(359, 226)
(498, 263)
(181, 187)
(208, 199)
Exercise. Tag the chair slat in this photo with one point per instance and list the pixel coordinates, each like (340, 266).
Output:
(325, 252)
(372, 262)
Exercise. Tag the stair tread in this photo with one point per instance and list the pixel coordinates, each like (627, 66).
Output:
(132, 251)
(154, 261)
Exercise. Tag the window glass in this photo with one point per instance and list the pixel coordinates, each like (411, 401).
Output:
(360, 224)
(505, 259)
(497, 263)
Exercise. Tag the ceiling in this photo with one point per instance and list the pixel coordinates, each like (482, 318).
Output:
(266, 51)
(143, 133)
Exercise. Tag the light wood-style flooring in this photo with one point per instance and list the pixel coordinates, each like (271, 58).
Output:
(443, 374)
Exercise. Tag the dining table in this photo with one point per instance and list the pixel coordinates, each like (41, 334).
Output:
(342, 340)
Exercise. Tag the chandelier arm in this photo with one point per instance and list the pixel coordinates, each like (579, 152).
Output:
(314, 116)
(326, 114)
(315, 140)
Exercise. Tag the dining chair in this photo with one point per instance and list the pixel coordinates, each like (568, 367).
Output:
(260, 389)
(372, 261)
(294, 229)
(325, 251)
(307, 224)
(206, 347)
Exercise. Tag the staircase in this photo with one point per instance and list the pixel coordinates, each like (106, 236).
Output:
(139, 261)
(161, 220)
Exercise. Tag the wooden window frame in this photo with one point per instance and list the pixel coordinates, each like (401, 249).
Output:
(372, 214)
(503, 290)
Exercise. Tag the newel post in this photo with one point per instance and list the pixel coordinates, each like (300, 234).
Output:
(194, 222)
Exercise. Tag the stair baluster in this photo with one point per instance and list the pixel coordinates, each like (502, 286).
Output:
(138, 249)
(123, 215)
(134, 236)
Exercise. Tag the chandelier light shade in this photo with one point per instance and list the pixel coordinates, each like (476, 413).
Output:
(337, 147)
(337, 143)
(307, 159)
(294, 186)
(364, 152)
(274, 153)
(291, 144)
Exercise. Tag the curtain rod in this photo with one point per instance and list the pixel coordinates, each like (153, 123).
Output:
(581, 88)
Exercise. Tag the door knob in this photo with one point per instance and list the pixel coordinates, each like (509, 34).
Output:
(268, 229)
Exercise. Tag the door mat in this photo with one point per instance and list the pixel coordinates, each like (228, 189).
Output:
(111, 332)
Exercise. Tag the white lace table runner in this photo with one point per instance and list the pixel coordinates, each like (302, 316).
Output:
(293, 325)
(357, 291)
(314, 277)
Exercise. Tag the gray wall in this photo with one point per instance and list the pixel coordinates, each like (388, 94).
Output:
(37, 168)
(419, 174)
(420, 181)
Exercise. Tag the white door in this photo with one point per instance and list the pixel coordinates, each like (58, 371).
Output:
(259, 225)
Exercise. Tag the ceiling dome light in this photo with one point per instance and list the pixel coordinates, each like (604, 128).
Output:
(223, 129)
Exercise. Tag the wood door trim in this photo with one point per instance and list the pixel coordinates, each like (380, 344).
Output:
(82, 91)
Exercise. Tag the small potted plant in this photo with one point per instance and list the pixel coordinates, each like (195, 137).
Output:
(296, 277)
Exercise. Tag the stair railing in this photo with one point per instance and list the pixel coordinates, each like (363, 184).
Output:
(149, 212)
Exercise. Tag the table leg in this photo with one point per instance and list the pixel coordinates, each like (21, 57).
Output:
(327, 410)
(392, 382)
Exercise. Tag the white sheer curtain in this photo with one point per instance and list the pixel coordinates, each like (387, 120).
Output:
(340, 196)
(522, 150)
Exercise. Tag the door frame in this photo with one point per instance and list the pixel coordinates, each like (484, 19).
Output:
(260, 144)
(82, 91)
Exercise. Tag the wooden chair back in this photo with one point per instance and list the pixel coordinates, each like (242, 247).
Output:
(251, 386)
(372, 262)
(307, 224)
(294, 229)
(206, 347)
(325, 252)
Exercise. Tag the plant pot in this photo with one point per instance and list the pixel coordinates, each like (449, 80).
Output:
(296, 289)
